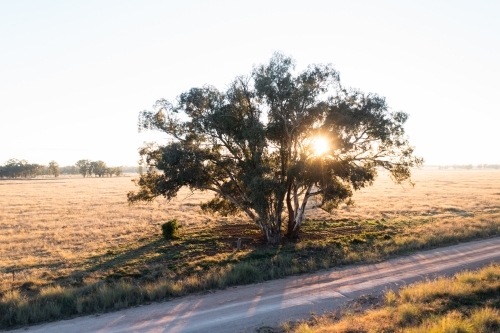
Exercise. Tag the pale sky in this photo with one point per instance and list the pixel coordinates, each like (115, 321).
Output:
(75, 74)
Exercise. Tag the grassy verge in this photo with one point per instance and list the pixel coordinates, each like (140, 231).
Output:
(150, 270)
(468, 302)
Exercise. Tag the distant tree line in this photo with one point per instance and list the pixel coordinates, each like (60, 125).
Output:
(131, 169)
(97, 168)
(15, 168)
(469, 166)
(488, 166)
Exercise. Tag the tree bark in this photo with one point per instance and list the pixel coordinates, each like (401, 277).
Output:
(295, 221)
(274, 238)
(272, 234)
(294, 225)
(291, 213)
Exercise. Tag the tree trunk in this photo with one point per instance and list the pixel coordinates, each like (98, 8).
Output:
(295, 221)
(272, 235)
(290, 232)
(293, 233)
(291, 213)
(294, 225)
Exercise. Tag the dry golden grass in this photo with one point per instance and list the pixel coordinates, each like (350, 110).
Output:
(50, 226)
(466, 303)
(77, 241)
(437, 193)
(47, 226)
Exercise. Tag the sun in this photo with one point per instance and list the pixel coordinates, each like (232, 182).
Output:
(320, 146)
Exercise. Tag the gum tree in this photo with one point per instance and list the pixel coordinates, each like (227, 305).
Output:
(54, 168)
(272, 142)
(84, 167)
(98, 168)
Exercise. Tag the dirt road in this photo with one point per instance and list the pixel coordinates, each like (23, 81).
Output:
(245, 309)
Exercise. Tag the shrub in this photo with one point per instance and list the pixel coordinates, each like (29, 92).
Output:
(170, 229)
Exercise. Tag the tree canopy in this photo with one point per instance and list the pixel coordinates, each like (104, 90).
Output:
(272, 141)
(54, 168)
(99, 168)
(15, 168)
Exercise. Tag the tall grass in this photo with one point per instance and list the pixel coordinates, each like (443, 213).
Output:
(468, 303)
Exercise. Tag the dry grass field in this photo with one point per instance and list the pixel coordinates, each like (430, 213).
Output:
(73, 232)
(49, 225)
(437, 193)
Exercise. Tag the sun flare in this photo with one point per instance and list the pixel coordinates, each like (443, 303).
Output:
(320, 146)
